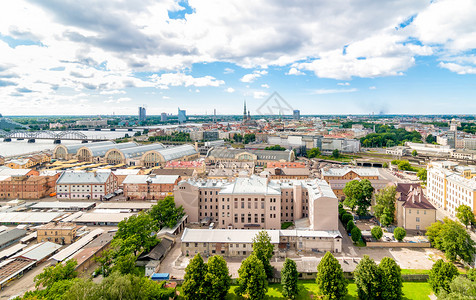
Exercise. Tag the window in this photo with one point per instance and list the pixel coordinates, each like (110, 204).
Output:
(418, 219)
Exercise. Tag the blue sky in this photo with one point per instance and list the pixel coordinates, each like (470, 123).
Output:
(322, 57)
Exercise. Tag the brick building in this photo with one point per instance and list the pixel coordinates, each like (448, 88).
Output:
(141, 187)
(26, 187)
(60, 233)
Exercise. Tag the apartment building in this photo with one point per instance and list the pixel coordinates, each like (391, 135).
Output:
(256, 202)
(83, 185)
(450, 185)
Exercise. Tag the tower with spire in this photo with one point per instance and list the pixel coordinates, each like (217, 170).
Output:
(244, 112)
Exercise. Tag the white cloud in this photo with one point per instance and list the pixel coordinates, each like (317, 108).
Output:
(265, 86)
(372, 87)
(228, 71)
(165, 97)
(124, 99)
(230, 90)
(294, 71)
(112, 92)
(333, 91)
(343, 83)
(459, 69)
(253, 76)
(166, 80)
(260, 94)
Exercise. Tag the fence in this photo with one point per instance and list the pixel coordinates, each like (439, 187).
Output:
(398, 245)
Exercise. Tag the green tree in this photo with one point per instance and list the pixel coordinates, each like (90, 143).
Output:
(263, 249)
(194, 279)
(355, 234)
(430, 139)
(105, 261)
(358, 194)
(399, 233)
(52, 274)
(126, 264)
(330, 278)
(471, 274)
(135, 234)
(414, 153)
(165, 213)
(377, 232)
(391, 279)
(346, 217)
(368, 278)
(441, 275)
(465, 215)
(252, 282)
(217, 279)
(275, 148)
(385, 205)
(350, 226)
(422, 174)
(460, 289)
(289, 279)
(335, 153)
(314, 152)
(452, 238)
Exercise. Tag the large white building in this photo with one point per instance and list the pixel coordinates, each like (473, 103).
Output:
(450, 185)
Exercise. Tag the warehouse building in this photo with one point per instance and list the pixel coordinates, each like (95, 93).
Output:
(68, 152)
(96, 153)
(259, 157)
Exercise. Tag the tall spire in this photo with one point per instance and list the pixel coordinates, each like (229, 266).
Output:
(244, 111)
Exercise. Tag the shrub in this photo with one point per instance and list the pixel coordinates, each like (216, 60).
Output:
(355, 234)
(350, 226)
(377, 232)
(399, 233)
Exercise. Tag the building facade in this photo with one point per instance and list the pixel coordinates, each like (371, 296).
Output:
(60, 233)
(26, 187)
(82, 185)
(154, 187)
(256, 202)
(414, 211)
(450, 185)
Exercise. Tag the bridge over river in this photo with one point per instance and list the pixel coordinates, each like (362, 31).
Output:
(57, 137)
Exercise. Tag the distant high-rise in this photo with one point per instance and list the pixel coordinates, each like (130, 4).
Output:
(296, 114)
(182, 116)
(142, 116)
(163, 117)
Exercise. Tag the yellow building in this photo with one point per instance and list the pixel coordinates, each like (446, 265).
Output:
(61, 233)
(450, 185)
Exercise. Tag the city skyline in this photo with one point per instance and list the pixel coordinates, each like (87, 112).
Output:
(88, 58)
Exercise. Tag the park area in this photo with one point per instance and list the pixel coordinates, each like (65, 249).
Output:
(308, 290)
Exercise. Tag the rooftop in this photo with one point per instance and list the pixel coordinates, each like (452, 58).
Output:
(83, 178)
(144, 179)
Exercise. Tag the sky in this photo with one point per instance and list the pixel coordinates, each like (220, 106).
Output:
(69, 57)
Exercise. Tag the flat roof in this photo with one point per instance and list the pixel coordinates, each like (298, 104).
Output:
(125, 205)
(76, 246)
(28, 217)
(102, 218)
(225, 235)
(11, 235)
(40, 252)
(63, 205)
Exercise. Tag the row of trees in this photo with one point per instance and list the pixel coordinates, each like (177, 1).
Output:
(275, 148)
(316, 152)
(174, 137)
(246, 139)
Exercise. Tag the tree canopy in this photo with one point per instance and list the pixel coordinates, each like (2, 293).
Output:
(377, 232)
(441, 275)
(399, 233)
(289, 279)
(452, 238)
(358, 194)
(194, 278)
(391, 279)
(313, 152)
(165, 213)
(465, 215)
(330, 278)
(252, 281)
(385, 205)
(368, 278)
(263, 249)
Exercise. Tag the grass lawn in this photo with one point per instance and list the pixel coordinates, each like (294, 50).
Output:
(286, 225)
(414, 271)
(411, 290)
